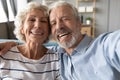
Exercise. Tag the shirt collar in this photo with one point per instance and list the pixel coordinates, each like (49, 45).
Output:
(84, 44)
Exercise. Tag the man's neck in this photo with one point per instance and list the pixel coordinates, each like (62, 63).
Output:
(70, 50)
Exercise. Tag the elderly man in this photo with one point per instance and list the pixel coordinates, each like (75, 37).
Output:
(82, 58)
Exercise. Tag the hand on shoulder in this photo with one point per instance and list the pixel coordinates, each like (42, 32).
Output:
(5, 46)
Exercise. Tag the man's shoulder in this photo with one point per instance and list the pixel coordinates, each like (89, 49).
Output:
(52, 45)
(109, 35)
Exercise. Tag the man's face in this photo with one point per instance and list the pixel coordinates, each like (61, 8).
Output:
(65, 27)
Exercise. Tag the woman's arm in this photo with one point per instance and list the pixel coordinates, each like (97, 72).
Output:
(5, 46)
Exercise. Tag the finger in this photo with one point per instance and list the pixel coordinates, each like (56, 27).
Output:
(5, 50)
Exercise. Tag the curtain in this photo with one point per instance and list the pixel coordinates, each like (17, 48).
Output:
(5, 7)
(14, 6)
(11, 27)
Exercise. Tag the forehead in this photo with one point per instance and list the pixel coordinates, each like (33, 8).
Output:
(36, 12)
(61, 11)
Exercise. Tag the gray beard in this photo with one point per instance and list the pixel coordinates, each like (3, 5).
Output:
(70, 43)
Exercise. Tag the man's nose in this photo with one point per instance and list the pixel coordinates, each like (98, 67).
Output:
(59, 24)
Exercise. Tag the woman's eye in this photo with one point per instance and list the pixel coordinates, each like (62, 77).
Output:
(31, 20)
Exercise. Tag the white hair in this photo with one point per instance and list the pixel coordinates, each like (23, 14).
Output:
(64, 3)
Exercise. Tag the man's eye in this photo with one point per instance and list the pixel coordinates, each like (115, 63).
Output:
(65, 18)
(53, 23)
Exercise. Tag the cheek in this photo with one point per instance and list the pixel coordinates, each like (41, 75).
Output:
(46, 29)
(24, 30)
(53, 32)
(75, 26)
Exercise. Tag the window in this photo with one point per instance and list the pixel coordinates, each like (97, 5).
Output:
(3, 17)
(21, 4)
(10, 12)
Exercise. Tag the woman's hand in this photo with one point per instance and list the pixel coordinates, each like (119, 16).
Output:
(5, 46)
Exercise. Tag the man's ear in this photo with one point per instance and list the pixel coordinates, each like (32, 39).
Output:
(79, 23)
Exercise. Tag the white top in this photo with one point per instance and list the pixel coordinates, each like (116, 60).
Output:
(14, 66)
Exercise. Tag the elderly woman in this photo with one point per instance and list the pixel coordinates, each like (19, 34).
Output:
(31, 60)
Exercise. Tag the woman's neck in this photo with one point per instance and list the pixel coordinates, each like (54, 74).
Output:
(33, 50)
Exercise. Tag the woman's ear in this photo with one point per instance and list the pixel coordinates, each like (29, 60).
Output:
(22, 30)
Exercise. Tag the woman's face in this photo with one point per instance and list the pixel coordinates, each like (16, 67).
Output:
(35, 27)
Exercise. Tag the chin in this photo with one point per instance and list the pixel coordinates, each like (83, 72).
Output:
(68, 44)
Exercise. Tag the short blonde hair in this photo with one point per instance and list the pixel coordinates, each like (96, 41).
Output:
(21, 16)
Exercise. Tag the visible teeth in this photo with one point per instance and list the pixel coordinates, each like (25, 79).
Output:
(36, 33)
(63, 34)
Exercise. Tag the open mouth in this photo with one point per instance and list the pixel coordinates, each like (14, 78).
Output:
(63, 35)
(37, 33)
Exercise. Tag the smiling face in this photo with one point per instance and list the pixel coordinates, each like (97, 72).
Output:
(35, 27)
(65, 27)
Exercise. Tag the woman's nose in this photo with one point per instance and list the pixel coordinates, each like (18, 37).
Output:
(37, 24)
